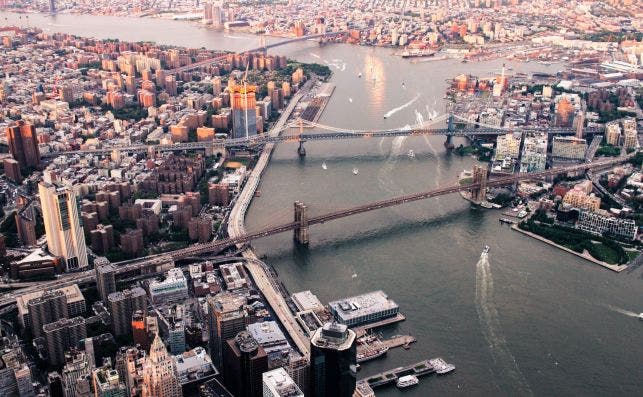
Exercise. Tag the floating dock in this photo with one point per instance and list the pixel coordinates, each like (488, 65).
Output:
(363, 330)
(384, 378)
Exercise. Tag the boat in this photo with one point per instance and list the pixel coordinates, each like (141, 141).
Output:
(324, 166)
(641, 316)
(355, 171)
(407, 381)
(403, 85)
(441, 367)
(486, 204)
(486, 249)
(359, 75)
(371, 354)
(385, 117)
(350, 100)
(411, 154)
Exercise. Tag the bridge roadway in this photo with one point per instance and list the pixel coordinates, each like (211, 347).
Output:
(220, 245)
(322, 136)
(210, 61)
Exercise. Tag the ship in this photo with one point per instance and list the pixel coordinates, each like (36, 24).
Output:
(442, 367)
(407, 381)
(371, 354)
(417, 53)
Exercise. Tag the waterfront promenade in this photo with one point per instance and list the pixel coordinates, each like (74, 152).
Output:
(585, 255)
(236, 228)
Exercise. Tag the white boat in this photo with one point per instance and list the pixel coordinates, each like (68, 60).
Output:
(641, 316)
(411, 154)
(324, 166)
(486, 249)
(407, 381)
(350, 100)
(359, 75)
(441, 367)
(355, 171)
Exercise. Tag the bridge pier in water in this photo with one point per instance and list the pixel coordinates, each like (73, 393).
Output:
(450, 128)
(300, 234)
(479, 193)
(301, 150)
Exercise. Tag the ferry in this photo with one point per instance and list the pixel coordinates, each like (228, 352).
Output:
(371, 354)
(407, 381)
(442, 367)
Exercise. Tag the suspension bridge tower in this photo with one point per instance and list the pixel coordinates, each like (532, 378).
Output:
(301, 150)
(301, 218)
(450, 129)
(479, 193)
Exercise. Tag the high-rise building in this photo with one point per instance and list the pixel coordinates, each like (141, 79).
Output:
(122, 305)
(23, 144)
(62, 335)
(245, 361)
(107, 383)
(45, 309)
(105, 277)
(76, 369)
(333, 361)
(227, 316)
(244, 114)
(55, 383)
(12, 170)
(159, 373)
(75, 306)
(277, 383)
(65, 237)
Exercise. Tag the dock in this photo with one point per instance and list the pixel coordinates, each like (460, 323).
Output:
(391, 376)
(363, 330)
(318, 103)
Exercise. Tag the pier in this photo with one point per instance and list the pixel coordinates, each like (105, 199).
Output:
(363, 330)
(391, 376)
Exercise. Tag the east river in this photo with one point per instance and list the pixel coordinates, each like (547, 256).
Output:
(536, 321)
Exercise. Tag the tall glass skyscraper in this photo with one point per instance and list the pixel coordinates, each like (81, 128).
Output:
(333, 361)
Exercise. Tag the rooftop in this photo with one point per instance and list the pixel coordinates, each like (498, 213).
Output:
(361, 305)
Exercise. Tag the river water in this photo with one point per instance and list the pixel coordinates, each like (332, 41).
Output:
(532, 320)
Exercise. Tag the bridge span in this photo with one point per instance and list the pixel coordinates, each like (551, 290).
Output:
(148, 264)
(264, 48)
(258, 140)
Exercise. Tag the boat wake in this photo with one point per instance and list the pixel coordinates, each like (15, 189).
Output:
(397, 109)
(385, 176)
(622, 311)
(233, 37)
(312, 54)
(490, 322)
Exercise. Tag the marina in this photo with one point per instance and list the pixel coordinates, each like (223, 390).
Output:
(399, 374)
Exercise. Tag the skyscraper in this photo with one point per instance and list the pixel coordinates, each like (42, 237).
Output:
(62, 335)
(244, 114)
(107, 383)
(245, 361)
(159, 373)
(65, 237)
(76, 369)
(333, 361)
(49, 307)
(105, 280)
(227, 317)
(23, 144)
(122, 305)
